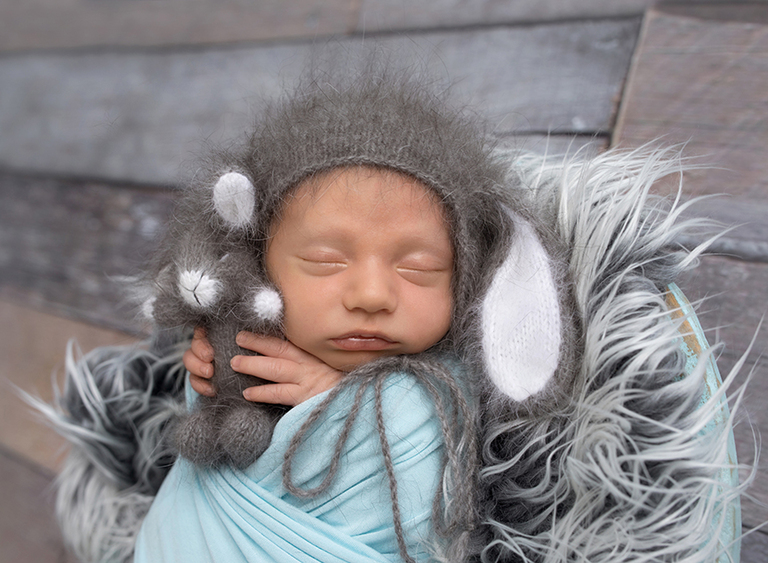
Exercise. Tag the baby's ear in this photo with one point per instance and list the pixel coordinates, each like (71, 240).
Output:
(520, 318)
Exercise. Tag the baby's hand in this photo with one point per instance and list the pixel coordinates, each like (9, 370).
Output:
(297, 375)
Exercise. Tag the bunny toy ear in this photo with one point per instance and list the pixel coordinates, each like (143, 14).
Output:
(234, 199)
(520, 318)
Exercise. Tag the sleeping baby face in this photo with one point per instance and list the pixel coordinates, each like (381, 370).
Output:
(364, 260)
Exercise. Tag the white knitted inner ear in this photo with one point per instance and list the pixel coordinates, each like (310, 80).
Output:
(233, 199)
(521, 319)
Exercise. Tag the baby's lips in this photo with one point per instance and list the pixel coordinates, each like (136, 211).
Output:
(364, 342)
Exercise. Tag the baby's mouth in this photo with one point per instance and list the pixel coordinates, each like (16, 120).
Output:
(365, 342)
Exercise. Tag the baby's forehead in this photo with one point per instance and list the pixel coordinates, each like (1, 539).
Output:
(352, 177)
(377, 188)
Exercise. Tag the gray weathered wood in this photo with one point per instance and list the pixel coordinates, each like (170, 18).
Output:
(56, 24)
(751, 424)
(745, 219)
(750, 11)
(28, 530)
(705, 83)
(555, 145)
(138, 115)
(754, 547)
(64, 245)
(405, 14)
(733, 299)
(51, 24)
(32, 350)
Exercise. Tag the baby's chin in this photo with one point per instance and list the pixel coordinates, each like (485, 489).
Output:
(350, 361)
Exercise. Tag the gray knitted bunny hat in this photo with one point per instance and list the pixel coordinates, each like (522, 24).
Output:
(391, 123)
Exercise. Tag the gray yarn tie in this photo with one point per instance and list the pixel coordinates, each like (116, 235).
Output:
(452, 517)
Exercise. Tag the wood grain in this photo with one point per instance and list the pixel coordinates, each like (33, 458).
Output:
(57, 24)
(751, 425)
(404, 14)
(555, 144)
(732, 299)
(28, 530)
(63, 24)
(701, 79)
(32, 349)
(704, 82)
(64, 245)
(750, 11)
(139, 116)
(754, 547)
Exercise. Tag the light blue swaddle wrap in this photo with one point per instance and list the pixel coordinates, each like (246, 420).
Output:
(233, 516)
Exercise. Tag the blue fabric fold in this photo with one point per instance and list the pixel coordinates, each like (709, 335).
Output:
(233, 516)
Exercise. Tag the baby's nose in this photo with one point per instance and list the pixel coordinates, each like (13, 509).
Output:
(371, 289)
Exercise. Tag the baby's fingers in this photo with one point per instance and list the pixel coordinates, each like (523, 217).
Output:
(200, 346)
(196, 366)
(202, 386)
(291, 383)
(266, 367)
(271, 346)
(275, 394)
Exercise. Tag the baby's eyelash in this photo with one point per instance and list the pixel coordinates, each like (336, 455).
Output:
(421, 276)
(322, 266)
(322, 261)
(422, 266)
(418, 269)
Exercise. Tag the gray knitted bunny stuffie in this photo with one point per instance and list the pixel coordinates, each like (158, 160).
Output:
(586, 433)
(209, 276)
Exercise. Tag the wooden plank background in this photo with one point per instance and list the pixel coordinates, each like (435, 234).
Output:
(53, 24)
(138, 115)
(714, 98)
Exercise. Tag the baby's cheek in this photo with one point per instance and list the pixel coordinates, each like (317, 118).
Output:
(300, 322)
(442, 324)
(433, 316)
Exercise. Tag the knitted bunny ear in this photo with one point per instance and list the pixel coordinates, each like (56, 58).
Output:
(520, 318)
(234, 199)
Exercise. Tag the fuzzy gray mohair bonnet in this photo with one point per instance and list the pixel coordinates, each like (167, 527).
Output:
(507, 295)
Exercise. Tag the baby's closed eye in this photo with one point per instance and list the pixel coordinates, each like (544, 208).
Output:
(423, 270)
(322, 263)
